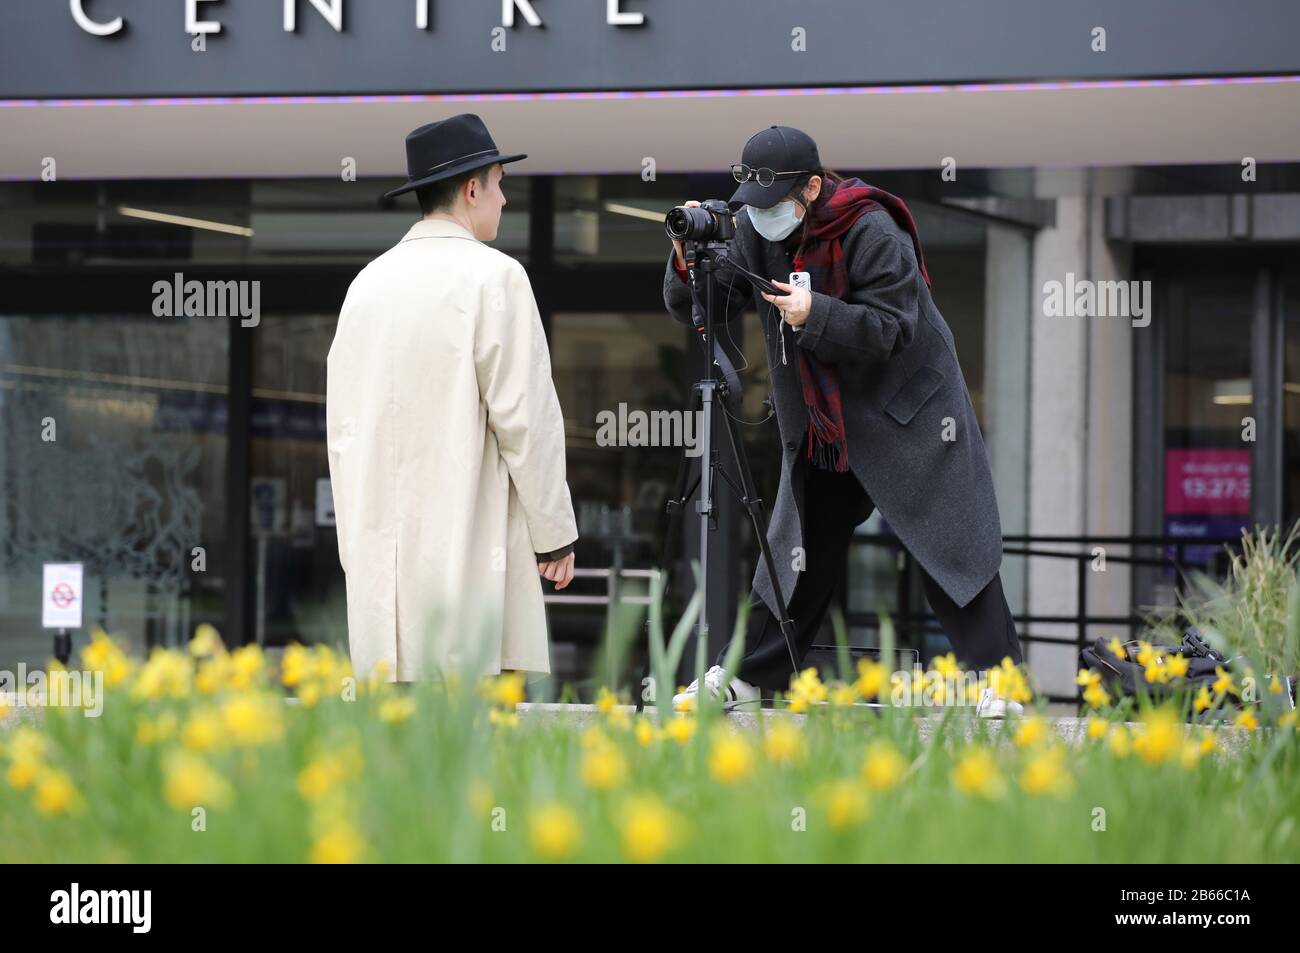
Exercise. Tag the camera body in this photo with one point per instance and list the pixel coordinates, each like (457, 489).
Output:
(712, 221)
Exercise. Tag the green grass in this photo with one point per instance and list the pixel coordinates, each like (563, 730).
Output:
(446, 783)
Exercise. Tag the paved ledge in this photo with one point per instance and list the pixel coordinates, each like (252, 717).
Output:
(1071, 730)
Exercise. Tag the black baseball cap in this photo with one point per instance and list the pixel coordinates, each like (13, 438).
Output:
(781, 149)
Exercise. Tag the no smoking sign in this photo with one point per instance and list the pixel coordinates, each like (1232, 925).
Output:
(61, 599)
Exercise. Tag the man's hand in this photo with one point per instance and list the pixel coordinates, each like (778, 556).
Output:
(794, 306)
(559, 572)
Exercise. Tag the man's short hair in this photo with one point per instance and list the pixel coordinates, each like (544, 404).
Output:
(440, 196)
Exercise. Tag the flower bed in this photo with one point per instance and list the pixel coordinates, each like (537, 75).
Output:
(197, 757)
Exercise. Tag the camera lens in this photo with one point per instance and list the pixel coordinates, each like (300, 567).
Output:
(691, 224)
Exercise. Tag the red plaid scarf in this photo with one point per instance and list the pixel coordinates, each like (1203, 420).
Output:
(824, 261)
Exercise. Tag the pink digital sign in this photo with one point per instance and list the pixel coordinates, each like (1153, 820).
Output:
(1207, 482)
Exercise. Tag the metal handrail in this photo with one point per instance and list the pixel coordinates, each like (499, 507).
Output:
(612, 591)
(908, 621)
(1081, 618)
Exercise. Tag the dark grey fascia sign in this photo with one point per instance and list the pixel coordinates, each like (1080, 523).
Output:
(57, 49)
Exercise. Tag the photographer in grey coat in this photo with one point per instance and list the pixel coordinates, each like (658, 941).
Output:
(871, 405)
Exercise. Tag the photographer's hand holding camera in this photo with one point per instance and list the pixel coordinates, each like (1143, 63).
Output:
(870, 401)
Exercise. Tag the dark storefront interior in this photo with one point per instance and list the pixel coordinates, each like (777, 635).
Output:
(178, 433)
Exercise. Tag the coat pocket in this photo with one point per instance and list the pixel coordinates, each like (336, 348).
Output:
(912, 396)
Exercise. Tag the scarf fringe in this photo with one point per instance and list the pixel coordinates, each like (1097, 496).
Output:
(827, 447)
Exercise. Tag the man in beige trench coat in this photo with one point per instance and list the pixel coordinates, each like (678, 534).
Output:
(445, 436)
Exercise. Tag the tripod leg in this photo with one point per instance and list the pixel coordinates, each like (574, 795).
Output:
(758, 517)
(677, 503)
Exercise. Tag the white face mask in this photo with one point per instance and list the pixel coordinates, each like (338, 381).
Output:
(777, 222)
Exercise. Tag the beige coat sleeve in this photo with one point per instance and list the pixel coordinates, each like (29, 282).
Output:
(514, 378)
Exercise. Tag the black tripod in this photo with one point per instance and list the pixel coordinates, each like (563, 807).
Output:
(703, 260)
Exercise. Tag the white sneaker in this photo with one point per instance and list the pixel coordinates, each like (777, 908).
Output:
(993, 706)
(736, 691)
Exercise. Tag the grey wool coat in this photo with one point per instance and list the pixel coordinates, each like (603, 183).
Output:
(900, 383)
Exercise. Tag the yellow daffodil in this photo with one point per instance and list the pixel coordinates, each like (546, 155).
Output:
(844, 695)
(55, 794)
(167, 674)
(646, 732)
(1156, 671)
(508, 690)
(105, 655)
(1008, 681)
(681, 729)
(1097, 728)
(946, 665)
(1045, 773)
(1119, 741)
(203, 731)
(322, 776)
(253, 718)
(206, 641)
(189, 783)
(603, 767)
(1160, 737)
(28, 744)
(309, 694)
(1031, 731)
(783, 742)
(1247, 720)
(212, 674)
(883, 767)
(731, 757)
(648, 828)
(295, 665)
(554, 831)
(977, 773)
(871, 678)
(1096, 696)
(341, 844)
(246, 664)
(22, 773)
(1117, 648)
(846, 804)
(396, 710)
(1223, 685)
(807, 689)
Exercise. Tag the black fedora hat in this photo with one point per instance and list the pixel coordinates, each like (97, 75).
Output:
(447, 148)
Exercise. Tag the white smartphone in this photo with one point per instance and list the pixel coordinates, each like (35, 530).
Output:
(800, 279)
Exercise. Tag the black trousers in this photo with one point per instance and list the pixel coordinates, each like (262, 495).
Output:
(982, 632)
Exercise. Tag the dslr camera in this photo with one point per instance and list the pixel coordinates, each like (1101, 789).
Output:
(712, 221)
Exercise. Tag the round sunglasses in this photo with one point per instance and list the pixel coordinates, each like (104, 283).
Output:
(764, 177)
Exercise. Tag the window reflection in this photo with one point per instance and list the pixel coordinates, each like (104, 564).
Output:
(112, 454)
